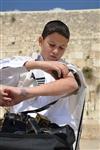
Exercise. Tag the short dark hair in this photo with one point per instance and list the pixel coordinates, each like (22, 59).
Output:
(56, 26)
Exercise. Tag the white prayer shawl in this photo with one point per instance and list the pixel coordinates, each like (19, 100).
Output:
(67, 110)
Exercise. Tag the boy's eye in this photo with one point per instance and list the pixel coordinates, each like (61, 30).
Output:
(62, 48)
(52, 45)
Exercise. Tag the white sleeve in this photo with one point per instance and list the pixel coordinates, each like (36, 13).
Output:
(17, 61)
(11, 68)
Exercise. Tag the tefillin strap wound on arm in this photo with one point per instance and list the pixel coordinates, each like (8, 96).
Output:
(76, 76)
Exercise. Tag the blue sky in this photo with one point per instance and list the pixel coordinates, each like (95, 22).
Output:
(9, 5)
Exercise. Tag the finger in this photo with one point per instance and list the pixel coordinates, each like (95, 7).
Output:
(64, 73)
(7, 99)
(64, 70)
(9, 93)
(4, 94)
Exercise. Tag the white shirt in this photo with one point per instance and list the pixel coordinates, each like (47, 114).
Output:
(67, 110)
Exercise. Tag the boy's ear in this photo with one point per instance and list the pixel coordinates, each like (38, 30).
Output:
(40, 40)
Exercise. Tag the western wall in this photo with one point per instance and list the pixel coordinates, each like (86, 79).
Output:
(19, 32)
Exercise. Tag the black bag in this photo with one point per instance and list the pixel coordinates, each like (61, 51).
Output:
(22, 132)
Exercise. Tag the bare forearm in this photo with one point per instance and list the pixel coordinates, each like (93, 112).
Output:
(60, 87)
(32, 65)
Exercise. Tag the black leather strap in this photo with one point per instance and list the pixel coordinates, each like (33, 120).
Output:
(40, 109)
(80, 127)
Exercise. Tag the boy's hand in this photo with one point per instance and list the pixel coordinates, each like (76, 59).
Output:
(51, 67)
(13, 96)
(4, 98)
(56, 69)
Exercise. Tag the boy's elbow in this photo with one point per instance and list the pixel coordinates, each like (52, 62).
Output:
(74, 86)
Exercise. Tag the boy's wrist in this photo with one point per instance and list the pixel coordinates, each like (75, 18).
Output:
(32, 65)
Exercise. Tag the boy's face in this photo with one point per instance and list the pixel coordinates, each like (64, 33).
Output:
(53, 46)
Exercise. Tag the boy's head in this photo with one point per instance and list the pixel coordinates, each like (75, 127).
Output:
(56, 26)
(54, 40)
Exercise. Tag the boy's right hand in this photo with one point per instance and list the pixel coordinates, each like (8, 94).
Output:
(52, 67)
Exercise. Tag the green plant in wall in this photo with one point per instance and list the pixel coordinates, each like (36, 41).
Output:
(88, 72)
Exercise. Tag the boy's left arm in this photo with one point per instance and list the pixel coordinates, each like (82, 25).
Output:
(63, 86)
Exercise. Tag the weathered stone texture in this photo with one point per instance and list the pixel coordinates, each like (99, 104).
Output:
(20, 32)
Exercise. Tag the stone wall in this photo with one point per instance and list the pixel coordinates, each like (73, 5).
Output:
(20, 32)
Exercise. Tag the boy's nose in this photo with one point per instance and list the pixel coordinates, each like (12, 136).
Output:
(55, 50)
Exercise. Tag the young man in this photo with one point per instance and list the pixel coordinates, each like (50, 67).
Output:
(53, 43)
